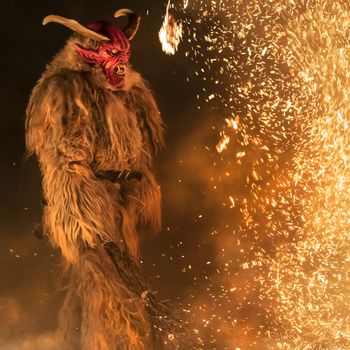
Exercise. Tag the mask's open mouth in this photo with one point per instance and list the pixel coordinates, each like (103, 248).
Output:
(120, 70)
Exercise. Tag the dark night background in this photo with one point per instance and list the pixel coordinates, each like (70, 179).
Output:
(28, 296)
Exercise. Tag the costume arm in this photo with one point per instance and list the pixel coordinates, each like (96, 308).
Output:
(80, 210)
(142, 101)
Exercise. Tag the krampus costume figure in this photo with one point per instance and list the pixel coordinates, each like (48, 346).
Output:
(94, 125)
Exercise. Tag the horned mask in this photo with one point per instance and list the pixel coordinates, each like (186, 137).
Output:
(113, 50)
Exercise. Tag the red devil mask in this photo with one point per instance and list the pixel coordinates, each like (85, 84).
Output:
(113, 56)
(113, 51)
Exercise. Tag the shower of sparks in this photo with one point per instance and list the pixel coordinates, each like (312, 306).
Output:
(310, 279)
(282, 278)
(170, 33)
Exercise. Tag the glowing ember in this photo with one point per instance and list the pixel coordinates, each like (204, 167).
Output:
(232, 123)
(232, 202)
(225, 139)
(222, 145)
(170, 33)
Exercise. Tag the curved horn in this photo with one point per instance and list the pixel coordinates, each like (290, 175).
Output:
(75, 26)
(133, 24)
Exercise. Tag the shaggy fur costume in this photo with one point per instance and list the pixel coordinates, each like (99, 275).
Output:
(81, 130)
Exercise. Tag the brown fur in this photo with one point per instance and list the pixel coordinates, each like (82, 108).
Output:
(78, 127)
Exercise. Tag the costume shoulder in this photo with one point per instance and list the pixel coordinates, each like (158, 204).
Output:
(55, 99)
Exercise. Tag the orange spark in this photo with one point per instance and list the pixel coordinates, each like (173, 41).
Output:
(222, 145)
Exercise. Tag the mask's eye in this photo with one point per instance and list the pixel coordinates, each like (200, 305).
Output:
(112, 52)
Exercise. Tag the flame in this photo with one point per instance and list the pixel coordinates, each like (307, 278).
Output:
(170, 33)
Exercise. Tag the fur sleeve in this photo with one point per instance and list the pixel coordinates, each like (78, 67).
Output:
(59, 130)
(142, 101)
